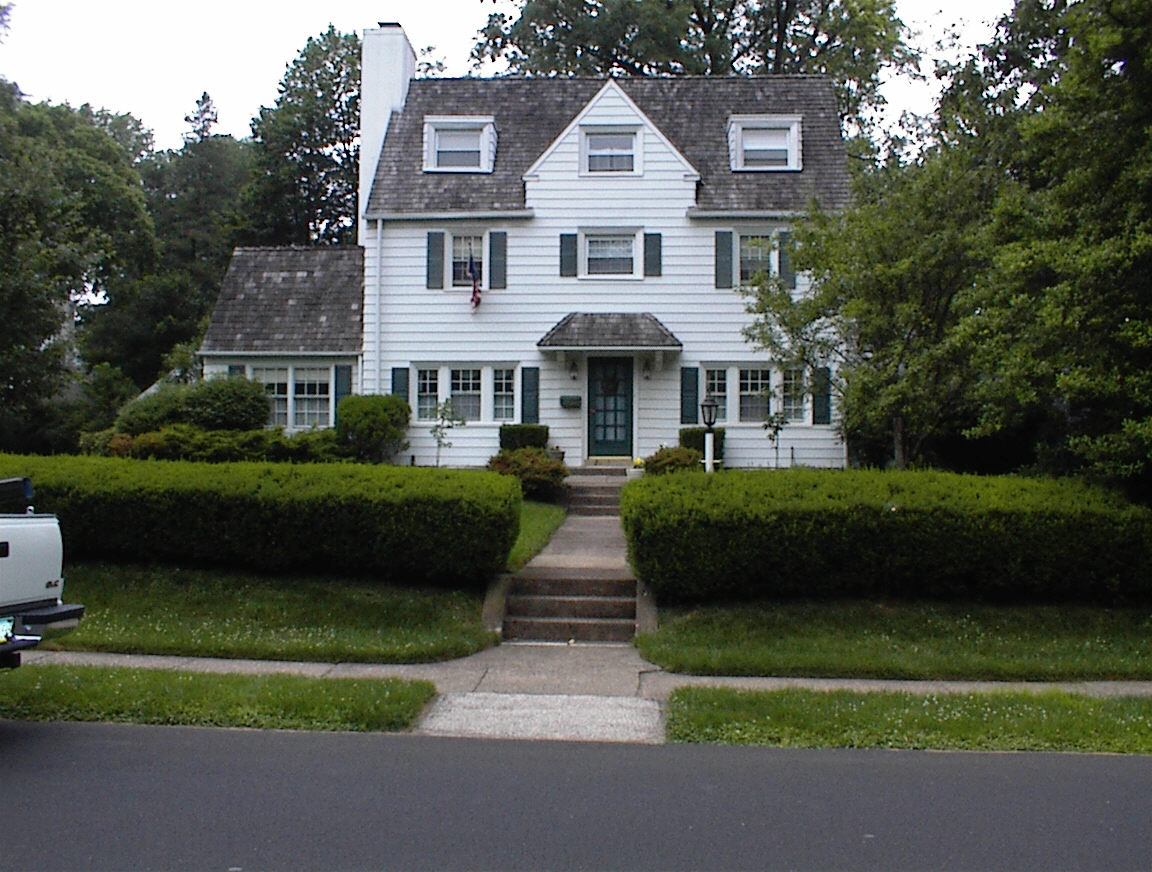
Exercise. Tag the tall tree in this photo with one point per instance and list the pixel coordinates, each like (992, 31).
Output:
(306, 150)
(853, 41)
(192, 194)
(72, 226)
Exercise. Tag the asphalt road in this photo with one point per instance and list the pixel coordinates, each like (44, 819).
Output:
(101, 796)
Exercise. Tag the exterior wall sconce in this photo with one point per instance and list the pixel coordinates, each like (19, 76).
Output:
(573, 370)
(646, 369)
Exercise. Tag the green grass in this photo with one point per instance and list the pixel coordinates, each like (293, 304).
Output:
(143, 696)
(538, 521)
(905, 640)
(170, 610)
(212, 613)
(986, 722)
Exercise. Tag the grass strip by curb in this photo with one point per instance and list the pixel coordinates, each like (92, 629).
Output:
(146, 696)
(912, 640)
(1001, 721)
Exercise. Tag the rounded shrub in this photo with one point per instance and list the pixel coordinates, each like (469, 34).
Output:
(226, 404)
(513, 436)
(372, 427)
(672, 459)
(541, 476)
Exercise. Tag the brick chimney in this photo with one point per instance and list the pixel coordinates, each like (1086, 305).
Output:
(387, 65)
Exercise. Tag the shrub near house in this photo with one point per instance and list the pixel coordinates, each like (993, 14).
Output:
(401, 525)
(816, 533)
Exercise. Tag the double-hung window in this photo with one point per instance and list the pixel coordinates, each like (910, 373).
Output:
(310, 397)
(427, 393)
(467, 259)
(764, 143)
(611, 152)
(503, 394)
(755, 257)
(755, 385)
(716, 384)
(459, 144)
(610, 255)
(792, 394)
(275, 381)
(466, 393)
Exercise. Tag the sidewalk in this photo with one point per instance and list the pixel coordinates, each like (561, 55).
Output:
(586, 692)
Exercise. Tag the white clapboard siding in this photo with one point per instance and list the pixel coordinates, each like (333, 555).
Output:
(409, 326)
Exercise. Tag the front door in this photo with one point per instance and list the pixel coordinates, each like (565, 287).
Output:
(610, 406)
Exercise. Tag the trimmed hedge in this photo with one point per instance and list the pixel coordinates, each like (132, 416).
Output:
(693, 437)
(514, 436)
(812, 533)
(401, 524)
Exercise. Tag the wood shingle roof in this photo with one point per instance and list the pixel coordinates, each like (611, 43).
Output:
(290, 300)
(691, 111)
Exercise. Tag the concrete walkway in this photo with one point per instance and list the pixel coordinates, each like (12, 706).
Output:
(585, 692)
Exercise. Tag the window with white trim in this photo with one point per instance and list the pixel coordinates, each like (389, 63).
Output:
(755, 385)
(459, 144)
(466, 393)
(611, 152)
(311, 397)
(610, 255)
(764, 143)
(756, 256)
(503, 394)
(275, 381)
(792, 394)
(427, 393)
(467, 254)
(716, 384)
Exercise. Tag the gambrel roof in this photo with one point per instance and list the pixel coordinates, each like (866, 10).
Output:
(289, 300)
(691, 111)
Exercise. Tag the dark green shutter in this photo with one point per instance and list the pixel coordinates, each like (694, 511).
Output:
(689, 394)
(567, 254)
(723, 258)
(343, 384)
(822, 395)
(787, 273)
(435, 259)
(400, 382)
(497, 259)
(236, 370)
(530, 395)
(652, 254)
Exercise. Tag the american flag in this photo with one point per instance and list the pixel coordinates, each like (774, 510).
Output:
(474, 274)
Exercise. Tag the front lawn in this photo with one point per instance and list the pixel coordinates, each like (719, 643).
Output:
(917, 640)
(149, 696)
(211, 613)
(1048, 721)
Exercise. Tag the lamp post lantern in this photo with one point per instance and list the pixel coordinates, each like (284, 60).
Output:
(708, 413)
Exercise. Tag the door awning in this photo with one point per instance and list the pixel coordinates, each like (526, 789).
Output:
(615, 331)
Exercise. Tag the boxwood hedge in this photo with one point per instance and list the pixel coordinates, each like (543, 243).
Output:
(811, 533)
(398, 523)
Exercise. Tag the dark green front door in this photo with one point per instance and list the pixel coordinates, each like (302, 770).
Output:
(610, 406)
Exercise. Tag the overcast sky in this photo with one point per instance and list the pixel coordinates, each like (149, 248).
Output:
(154, 58)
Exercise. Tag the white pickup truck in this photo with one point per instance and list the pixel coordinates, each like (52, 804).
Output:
(31, 575)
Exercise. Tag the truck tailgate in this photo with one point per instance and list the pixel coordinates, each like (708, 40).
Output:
(31, 556)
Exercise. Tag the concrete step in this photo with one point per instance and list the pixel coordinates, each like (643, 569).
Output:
(571, 607)
(594, 511)
(614, 471)
(568, 586)
(569, 629)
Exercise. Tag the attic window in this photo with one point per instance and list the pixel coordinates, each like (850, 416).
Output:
(610, 151)
(459, 144)
(764, 143)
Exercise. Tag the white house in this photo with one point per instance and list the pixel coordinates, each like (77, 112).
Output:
(563, 251)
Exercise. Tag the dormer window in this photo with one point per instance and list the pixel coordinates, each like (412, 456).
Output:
(606, 151)
(764, 143)
(459, 144)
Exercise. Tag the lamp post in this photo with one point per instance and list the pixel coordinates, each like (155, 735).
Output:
(708, 412)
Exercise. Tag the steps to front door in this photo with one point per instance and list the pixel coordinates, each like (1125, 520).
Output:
(570, 605)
